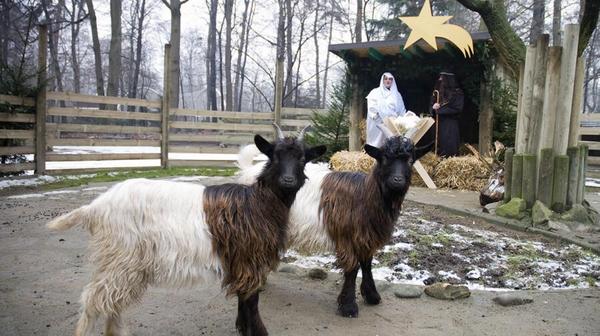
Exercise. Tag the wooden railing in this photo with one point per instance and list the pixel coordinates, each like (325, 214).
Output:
(74, 119)
(590, 129)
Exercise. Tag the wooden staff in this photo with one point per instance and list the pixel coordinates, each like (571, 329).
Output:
(437, 100)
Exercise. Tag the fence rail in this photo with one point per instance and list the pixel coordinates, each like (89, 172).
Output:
(71, 120)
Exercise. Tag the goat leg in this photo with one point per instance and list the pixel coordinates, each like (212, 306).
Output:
(347, 306)
(367, 286)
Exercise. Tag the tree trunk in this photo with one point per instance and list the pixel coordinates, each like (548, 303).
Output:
(556, 23)
(238, 73)
(76, 10)
(537, 23)
(509, 45)
(211, 86)
(138, 48)
(296, 87)
(96, 48)
(589, 21)
(279, 60)
(228, 85)
(359, 18)
(175, 7)
(114, 54)
(243, 70)
(288, 50)
(316, 40)
(53, 40)
(222, 91)
(324, 99)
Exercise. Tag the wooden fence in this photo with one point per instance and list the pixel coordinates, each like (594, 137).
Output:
(589, 133)
(86, 120)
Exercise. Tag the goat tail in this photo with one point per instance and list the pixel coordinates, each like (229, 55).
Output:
(76, 217)
(246, 155)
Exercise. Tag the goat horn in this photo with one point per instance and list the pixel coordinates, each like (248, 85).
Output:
(386, 131)
(302, 132)
(279, 131)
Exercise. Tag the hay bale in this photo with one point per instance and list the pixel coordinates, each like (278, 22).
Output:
(352, 161)
(462, 172)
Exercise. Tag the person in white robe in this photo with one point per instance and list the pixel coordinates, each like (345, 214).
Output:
(382, 102)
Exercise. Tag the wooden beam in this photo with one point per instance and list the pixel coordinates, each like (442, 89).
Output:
(104, 114)
(17, 150)
(532, 135)
(15, 167)
(17, 117)
(355, 114)
(549, 110)
(84, 98)
(577, 104)
(17, 134)
(221, 126)
(222, 114)
(202, 163)
(101, 156)
(16, 100)
(101, 142)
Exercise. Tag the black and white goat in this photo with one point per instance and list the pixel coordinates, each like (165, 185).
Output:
(149, 232)
(350, 213)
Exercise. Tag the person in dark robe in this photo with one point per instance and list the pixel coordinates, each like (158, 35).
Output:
(447, 103)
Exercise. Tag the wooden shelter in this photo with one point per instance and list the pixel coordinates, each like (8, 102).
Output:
(416, 70)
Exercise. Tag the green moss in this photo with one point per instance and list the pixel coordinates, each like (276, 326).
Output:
(572, 282)
(413, 258)
(590, 280)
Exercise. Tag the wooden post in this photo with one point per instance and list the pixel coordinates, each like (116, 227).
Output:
(164, 121)
(577, 106)
(40, 102)
(572, 188)
(559, 187)
(517, 176)
(355, 114)
(524, 113)
(565, 93)
(519, 103)
(550, 99)
(546, 173)
(529, 179)
(508, 163)
(486, 116)
(583, 155)
(278, 92)
(532, 136)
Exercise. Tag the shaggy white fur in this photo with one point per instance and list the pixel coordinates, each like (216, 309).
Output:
(144, 232)
(306, 231)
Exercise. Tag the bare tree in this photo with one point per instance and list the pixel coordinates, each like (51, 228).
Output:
(228, 84)
(96, 48)
(358, 23)
(76, 12)
(114, 54)
(54, 28)
(243, 53)
(556, 23)
(316, 41)
(211, 83)
(537, 23)
(175, 8)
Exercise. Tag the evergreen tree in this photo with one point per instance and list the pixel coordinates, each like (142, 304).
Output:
(331, 128)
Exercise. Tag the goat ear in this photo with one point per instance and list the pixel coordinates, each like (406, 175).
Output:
(420, 151)
(263, 145)
(314, 152)
(373, 152)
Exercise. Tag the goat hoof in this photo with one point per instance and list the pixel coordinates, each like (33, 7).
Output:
(348, 309)
(371, 297)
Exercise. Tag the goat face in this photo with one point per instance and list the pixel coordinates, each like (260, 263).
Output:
(287, 158)
(395, 160)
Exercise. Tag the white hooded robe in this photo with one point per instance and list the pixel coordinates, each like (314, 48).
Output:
(382, 103)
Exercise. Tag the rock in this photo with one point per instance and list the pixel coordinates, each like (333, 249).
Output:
(288, 269)
(508, 300)
(317, 274)
(578, 213)
(491, 207)
(445, 291)
(408, 291)
(555, 225)
(473, 274)
(540, 213)
(513, 209)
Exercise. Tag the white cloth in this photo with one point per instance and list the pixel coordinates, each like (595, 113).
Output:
(382, 103)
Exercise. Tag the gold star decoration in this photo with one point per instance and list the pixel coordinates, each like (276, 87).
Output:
(428, 27)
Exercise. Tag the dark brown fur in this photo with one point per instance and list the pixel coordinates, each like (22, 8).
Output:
(247, 236)
(357, 217)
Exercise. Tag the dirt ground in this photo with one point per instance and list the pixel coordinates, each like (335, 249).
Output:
(42, 275)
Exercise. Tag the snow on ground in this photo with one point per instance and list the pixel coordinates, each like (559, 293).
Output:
(424, 251)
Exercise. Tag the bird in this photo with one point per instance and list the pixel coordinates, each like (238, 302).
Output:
(428, 27)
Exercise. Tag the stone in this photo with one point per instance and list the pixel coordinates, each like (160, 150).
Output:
(513, 209)
(508, 300)
(317, 274)
(540, 213)
(556, 225)
(408, 291)
(288, 269)
(473, 274)
(491, 207)
(578, 213)
(445, 291)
